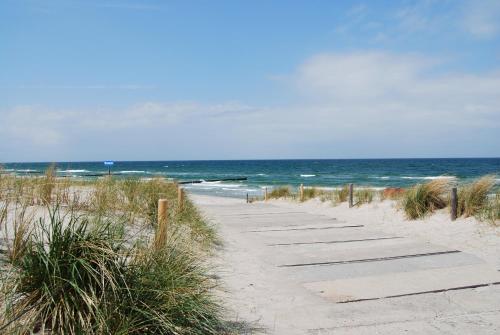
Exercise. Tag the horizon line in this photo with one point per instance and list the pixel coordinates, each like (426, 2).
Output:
(246, 159)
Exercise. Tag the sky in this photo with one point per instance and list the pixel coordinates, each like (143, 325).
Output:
(95, 80)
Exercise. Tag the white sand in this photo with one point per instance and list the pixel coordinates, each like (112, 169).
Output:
(303, 300)
(467, 234)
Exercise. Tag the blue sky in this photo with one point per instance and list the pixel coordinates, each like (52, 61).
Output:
(141, 80)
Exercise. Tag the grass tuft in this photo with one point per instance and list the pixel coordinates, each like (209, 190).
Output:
(47, 185)
(311, 193)
(342, 194)
(392, 193)
(76, 277)
(363, 196)
(91, 265)
(491, 211)
(473, 198)
(280, 192)
(422, 199)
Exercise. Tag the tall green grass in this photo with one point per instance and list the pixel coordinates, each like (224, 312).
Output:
(76, 277)
(363, 196)
(311, 193)
(472, 198)
(422, 199)
(90, 266)
(280, 192)
(490, 212)
(342, 194)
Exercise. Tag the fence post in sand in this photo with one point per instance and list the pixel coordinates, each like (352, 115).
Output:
(180, 197)
(301, 192)
(454, 204)
(247, 198)
(351, 187)
(161, 230)
(265, 194)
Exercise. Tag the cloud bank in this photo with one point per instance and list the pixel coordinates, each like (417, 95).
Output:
(379, 103)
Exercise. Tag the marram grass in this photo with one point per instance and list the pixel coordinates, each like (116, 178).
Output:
(76, 277)
(342, 194)
(422, 199)
(490, 212)
(472, 198)
(75, 273)
(280, 192)
(363, 196)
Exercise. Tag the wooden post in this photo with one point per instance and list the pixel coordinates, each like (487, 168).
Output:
(301, 192)
(180, 198)
(454, 204)
(351, 187)
(247, 198)
(161, 230)
(265, 194)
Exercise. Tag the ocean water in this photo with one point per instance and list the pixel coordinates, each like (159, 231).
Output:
(327, 173)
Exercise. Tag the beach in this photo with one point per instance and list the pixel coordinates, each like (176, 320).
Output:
(249, 167)
(300, 262)
(314, 268)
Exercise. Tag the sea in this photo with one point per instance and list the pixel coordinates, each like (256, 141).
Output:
(261, 174)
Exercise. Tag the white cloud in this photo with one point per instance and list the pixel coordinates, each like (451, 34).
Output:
(482, 18)
(382, 87)
(345, 105)
(362, 74)
(43, 126)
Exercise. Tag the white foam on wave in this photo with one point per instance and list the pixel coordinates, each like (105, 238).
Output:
(26, 170)
(132, 171)
(182, 173)
(382, 177)
(429, 177)
(75, 171)
(307, 175)
(214, 185)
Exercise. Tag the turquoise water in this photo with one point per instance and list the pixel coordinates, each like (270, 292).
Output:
(328, 173)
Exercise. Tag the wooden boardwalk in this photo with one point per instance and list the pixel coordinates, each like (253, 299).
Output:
(292, 272)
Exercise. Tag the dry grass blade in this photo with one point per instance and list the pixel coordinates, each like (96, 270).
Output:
(364, 196)
(422, 199)
(473, 198)
(76, 275)
(280, 192)
(342, 194)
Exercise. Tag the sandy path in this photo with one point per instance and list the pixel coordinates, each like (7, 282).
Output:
(315, 269)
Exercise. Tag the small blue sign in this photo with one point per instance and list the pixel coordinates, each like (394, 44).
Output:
(109, 162)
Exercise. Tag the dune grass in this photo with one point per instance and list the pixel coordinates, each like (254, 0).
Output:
(336, 196)
(363, 196)
(342, 194)
(490, 212)
(76, 277)
(473, 198)
(280, 192)
(392, 193)
(311, 193)
(422, 199)
(90, 266)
